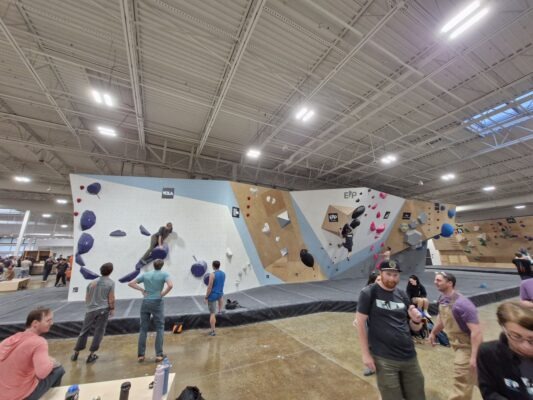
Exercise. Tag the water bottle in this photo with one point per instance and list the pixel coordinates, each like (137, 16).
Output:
(73, 393)
(159, 380)
(125, 391)
(166, 365)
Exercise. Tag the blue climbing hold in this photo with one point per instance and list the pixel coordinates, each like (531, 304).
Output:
(159, 252)
(451, 213)
(117, 233)
(85, 243)
(483, 286)
(79, 260)
(88, 274)
(144, 231)
(129, 277)
(446, 230)
(88, 219)
(94, 188)
(199, 268)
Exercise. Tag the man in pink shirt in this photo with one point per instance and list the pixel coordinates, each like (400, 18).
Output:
(26, 369)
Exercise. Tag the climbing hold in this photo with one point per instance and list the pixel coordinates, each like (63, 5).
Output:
(85, 243)
(382, 195)
(117, 233)
(358, 212)
(159, 252)
(88, 274)
(199, 268)
(451, 213)
(372, 248)
(446, 230)
(376, 256)
(266, 228)
(79, 260)
(355, 223)
(144, 231)
(76, 213)
(87, 220)
(82, 187)
(378, 215)
(374, 206)
(380, 229)
(307, 258)
(94, 188)
(131, 276)
(78, 200)
(372, 226)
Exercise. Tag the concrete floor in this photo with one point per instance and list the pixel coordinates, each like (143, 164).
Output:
(313, 357)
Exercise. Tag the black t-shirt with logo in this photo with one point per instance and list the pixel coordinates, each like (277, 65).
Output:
(389, 335)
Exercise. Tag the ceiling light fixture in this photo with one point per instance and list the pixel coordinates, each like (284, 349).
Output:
(106, 131)
(520, 207)
(304, 114)
(448, 177)
(64, 226)
(465, 12)
(475, 18)
(47, 215)
(102, 98)
(489, 188)
(61, 201)
(253, 153)
(388, 159)
(22, 179)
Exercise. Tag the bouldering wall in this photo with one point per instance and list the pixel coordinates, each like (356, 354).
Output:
(276, 232)
(495, 241)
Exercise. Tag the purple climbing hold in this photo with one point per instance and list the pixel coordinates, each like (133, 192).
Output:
(206, 279)
(88, 274)
(144, 231)
(199, 268)
(117, 233)
(88, 219)
(79, 260)
(94, 188)
(159, 252)
(129, 277)
(85, 243)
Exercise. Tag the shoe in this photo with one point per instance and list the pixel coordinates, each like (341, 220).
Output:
(92, 358)
(368, 372)
(140, 359)
(74, 357)
(212, 333)
(159, 359)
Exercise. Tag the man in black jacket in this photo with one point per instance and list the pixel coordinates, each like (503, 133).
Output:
(505, 366)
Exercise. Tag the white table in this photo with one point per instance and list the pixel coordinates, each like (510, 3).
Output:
(111, 389)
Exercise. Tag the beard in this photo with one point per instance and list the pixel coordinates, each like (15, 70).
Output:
(389, 284)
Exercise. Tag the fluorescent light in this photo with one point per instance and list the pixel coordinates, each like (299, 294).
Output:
(22, 179)
(519, 207)
(106, 131)
(64, 226)
(61, 201)
(308, 116)
(459, 17)
(447, 177)
(305, 114)
(469, 23)
(96, 96)
(489, 188)
(38, 234)
(47, 215)
(108, 100)
(301, 113)
(388, 159)
(253, 153)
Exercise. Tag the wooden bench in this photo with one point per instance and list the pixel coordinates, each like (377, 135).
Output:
(14, 284)
(111, 389)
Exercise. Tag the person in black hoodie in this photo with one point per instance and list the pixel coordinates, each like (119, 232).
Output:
(505, 366)
(417, 294)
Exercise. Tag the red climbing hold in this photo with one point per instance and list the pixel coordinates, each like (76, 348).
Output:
(382, 244)
(82, 187)
(380, 228)
(378, 215)
(373, 226)
(78, 200)
(382, 195)
(372, 248)
(374, 206)
(76, 213)
(376, 256)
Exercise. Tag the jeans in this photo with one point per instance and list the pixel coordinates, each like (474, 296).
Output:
(399, 379)
(52, 380)
(63, 276)
(98, 319)
(152, 308)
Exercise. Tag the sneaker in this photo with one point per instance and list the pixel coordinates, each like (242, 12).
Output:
(212, 333)
(92, 358)
(74, 357)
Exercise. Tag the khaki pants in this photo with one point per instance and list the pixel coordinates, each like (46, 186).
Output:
(399, 379)
(463, 379)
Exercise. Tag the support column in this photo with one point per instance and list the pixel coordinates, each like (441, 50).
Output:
(20, 239)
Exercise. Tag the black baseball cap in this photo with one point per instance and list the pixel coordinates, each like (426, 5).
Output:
(391, 265)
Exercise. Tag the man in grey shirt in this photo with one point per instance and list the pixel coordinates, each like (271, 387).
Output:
(100, 305)
(25, 266)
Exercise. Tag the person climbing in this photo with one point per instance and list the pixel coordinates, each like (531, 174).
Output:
(157, 240)
(347, 234)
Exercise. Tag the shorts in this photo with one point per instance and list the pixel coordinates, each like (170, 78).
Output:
(212, 305)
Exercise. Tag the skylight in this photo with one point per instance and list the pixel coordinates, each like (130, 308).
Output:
(504, 115)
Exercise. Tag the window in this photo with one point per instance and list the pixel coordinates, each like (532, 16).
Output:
(502, 116)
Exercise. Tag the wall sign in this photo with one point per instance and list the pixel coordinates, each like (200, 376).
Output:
(167, 193)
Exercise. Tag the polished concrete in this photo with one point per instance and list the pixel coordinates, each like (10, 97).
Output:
(309, 357)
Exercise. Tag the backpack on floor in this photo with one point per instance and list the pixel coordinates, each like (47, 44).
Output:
(177, 327)
(232, 305)
(190, 393)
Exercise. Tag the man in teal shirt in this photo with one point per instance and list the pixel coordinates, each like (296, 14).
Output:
(152, 306)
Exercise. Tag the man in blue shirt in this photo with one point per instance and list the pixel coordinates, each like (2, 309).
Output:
(152, 306)
(214, 294)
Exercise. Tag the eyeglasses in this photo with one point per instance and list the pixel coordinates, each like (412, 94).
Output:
(517, 338)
